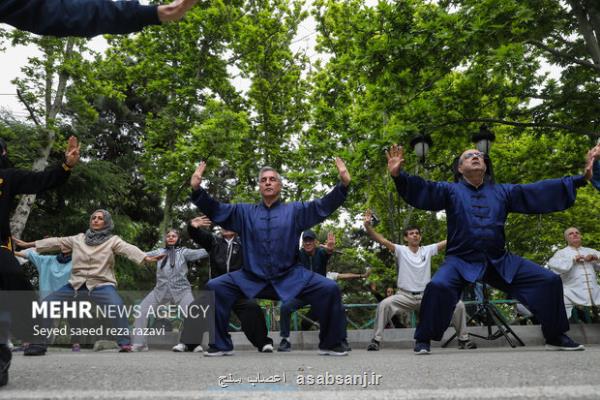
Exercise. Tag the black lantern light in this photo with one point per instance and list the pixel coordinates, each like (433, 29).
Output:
(483, 139)
(421, 145)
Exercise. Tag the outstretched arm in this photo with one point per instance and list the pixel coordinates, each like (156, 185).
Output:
(376, 236)
(441, 245)
(551, 194)
(203, 238)
(352, 275)
(88, 18)
(309, 214)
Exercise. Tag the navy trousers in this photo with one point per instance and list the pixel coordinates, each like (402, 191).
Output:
(321, 293)
(533, 285)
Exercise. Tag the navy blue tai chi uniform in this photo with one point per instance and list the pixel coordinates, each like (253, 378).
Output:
(77, 17)
(476, 247)
(271, 269)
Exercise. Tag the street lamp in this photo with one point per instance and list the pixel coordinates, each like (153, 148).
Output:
(421, 145)
(483, 139)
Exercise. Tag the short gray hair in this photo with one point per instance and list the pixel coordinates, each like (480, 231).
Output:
(568, 229)
(266, 168)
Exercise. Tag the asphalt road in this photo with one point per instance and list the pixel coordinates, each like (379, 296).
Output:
(490, 373)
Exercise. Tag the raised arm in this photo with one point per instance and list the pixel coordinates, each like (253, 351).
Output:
(27, 182)
(416, 191)
(329, 246)
(88, 17)
(376, 236)
(309, 214)
(227, 215)
(551, 194)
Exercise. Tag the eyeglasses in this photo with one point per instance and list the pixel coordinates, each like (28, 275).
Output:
(477, 154)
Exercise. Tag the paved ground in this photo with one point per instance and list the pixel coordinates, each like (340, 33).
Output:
(490, 373)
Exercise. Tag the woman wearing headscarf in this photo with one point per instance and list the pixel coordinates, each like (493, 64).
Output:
(93, 274)
(172, 285)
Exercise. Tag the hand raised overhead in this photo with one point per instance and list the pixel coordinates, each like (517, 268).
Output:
(196, 179)
(395, 159)
(175, 10)
(343, 171)
(72, 152)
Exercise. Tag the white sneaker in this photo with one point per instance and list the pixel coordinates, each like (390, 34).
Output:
(267, 348)
(139, 347)
(179, 348)
(198, 349)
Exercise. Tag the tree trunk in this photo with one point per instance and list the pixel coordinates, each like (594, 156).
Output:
(53, 107)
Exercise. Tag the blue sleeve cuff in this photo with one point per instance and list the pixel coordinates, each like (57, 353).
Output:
(579, 181)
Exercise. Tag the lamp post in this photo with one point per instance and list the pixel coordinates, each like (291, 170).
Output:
(421, 145)
(483, 139)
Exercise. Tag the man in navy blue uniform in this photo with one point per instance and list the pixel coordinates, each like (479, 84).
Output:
(270, 231)
(88, 17)
(596, 169)
(476, 211)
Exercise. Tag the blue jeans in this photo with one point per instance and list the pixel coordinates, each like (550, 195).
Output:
(285, 312)
(102, 295)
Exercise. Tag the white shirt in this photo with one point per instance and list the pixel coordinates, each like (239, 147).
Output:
(414, 269)
(580, 282)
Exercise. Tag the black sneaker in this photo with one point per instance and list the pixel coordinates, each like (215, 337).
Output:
(214, 352)
(565, 343)
(466, 345)
(373, 346)
(284, 345)
(5, 357)
(335, 351)
(422, 348)
(35, 350)
(346, 345)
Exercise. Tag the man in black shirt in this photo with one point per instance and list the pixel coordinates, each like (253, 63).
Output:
(13, 182)
(312, 257)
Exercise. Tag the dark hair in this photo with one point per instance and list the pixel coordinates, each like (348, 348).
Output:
(410, 228)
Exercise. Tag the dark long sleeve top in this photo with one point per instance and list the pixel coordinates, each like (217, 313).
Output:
(476, 216)
(15, 181)
(77, 17)
(270, 236)
(224, 257)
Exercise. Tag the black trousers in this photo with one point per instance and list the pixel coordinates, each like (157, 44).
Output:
(251, 317)
(15, 308)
